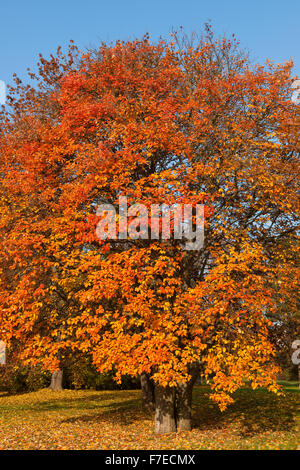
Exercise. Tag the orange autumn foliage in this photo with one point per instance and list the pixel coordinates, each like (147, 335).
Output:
(158, 124)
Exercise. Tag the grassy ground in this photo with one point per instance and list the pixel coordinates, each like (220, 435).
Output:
(115, 420)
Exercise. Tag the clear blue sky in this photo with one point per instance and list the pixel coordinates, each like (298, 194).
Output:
(267, 28)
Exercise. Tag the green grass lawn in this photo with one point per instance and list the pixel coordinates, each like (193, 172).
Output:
(116, 420)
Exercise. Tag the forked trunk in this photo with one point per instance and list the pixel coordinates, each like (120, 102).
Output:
(147, 386)
(56, 380)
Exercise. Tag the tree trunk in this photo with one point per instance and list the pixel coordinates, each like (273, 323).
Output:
(183, 407)
(56, 380)
(173, 406)
(164, 409)
(299, 375)
(183, 402)
(147, 391)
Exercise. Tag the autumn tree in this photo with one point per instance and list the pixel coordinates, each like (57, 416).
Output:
(171, 123)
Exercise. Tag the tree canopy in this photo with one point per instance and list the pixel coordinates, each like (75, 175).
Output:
(160, 123)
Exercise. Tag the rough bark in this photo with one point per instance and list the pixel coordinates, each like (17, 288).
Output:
(147, 386)
(164, 410)
(183, 402)
(56, 380)
(173, 406)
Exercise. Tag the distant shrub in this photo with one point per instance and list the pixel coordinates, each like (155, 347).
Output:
(78, 373)
(17, 378)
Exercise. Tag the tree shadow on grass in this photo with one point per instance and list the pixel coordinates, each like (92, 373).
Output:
(253, 411)
(68, 402)
(124, 413)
